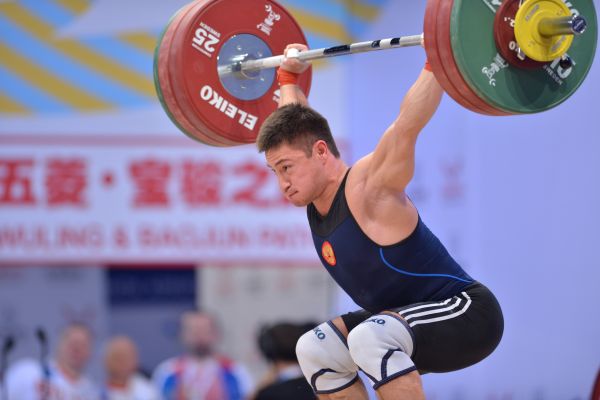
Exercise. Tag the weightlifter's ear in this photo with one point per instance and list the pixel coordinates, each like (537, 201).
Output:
(320, 150)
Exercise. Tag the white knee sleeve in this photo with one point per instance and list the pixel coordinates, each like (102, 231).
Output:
(325, 360)
(382, 346)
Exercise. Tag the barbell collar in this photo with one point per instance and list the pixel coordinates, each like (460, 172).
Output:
(572, 25)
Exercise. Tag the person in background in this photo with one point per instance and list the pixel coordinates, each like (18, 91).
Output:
(201, 373)
(123, 382)
(277, 344)
(60, 378)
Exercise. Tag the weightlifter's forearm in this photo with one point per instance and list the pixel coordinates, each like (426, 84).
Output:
(291, 94)
(420, 103)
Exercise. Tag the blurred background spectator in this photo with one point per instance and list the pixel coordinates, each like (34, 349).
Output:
(284, 380)
(201, 373)
(123, 380)
(60, 377)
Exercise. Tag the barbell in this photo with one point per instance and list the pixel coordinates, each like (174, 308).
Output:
(214, 62)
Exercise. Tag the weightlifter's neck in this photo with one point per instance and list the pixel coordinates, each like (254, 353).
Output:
(334, 177)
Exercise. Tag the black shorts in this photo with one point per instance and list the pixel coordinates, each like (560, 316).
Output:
(450, 334)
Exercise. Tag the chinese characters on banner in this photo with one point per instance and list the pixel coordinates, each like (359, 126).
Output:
(123, 203)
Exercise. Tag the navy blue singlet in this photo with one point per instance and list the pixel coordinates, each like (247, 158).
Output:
(377, 278)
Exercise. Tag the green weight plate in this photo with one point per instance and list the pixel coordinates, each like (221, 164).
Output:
(504, 86)
(444, 22)
(431, 28)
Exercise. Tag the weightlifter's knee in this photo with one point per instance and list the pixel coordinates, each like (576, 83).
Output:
(325, 361)
(382, 346)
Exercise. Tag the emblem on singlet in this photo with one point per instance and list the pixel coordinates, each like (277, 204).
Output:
(328, 254)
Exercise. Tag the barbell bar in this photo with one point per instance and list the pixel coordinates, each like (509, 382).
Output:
(548, 27)
(243, 66)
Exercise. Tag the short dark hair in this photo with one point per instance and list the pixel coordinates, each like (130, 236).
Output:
(296, 125)
(278, 342)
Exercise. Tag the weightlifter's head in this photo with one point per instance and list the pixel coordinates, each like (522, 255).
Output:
(298, 126)
(298, 144)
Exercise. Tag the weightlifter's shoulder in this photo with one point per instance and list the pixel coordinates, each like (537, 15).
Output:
(364, 176)
(363, 187)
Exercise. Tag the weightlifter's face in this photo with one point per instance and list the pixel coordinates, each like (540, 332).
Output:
(298, 174)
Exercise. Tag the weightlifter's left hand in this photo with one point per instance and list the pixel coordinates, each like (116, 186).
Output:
(292, 63)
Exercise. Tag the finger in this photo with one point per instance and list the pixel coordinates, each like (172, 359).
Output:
(292, 53)
(297, 46)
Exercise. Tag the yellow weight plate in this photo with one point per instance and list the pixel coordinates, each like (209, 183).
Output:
(527, 29)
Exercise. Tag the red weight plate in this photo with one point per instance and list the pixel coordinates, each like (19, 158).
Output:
(447, 56)
(165, 89)
(504, 35)
(165, 86)
(196, 45)
(174, 66)
(430, 29)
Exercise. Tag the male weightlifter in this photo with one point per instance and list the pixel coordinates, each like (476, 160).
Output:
(421, 311)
